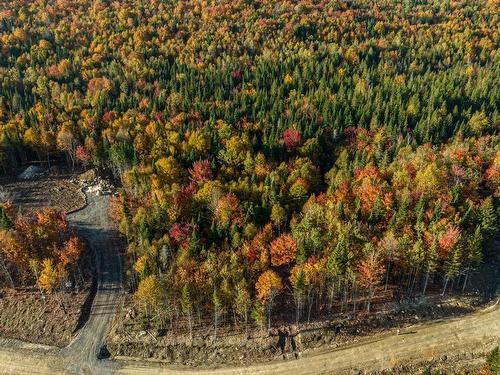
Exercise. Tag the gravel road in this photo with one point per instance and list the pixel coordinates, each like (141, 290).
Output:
(94, 224)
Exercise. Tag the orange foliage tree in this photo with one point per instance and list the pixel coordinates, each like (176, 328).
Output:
(268, 286)
(283, 250)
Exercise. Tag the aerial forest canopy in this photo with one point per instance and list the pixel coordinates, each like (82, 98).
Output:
(291, 152)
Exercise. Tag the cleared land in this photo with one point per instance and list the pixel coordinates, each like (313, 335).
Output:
(238, 347)
(56, 192)
(25, 315)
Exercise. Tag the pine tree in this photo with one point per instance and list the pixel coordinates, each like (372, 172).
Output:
(474, 253)
(299, 293)
(488, 218)
(452, 265)
(258, 314)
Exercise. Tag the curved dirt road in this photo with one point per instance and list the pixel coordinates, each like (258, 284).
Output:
(94, 224)
(478, 331)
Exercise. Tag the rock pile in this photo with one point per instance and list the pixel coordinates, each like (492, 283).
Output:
(93, 184)
(32, 172)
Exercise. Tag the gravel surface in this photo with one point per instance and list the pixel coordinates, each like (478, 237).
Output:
(94, 224)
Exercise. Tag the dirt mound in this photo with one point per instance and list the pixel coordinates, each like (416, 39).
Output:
(88, 176)
(32, 172)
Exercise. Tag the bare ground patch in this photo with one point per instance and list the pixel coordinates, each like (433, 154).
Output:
(27, 316)
(54, 191)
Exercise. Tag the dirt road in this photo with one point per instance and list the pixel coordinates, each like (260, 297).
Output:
(473, 333)
(94, 224)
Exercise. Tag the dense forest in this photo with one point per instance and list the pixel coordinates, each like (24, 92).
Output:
(295, 154)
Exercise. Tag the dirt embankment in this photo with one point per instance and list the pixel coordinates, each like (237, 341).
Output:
(238, 347)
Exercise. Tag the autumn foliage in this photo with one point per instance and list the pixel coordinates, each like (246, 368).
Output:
(39, 249)
(315, 149)
(283, 250)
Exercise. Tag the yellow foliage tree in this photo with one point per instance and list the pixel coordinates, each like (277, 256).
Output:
(50, 276)
(150, 293)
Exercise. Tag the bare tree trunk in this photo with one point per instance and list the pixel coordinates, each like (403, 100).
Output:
(425, 283)
(387, 275)
(5, 270)
(354, 299)
(309, 312)
(246, 322)
(269, 310)
(330, 296)
(370, 295)
(445, 285)
(190, 324)
(465, 281)
(216, 313)
(344, 298)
